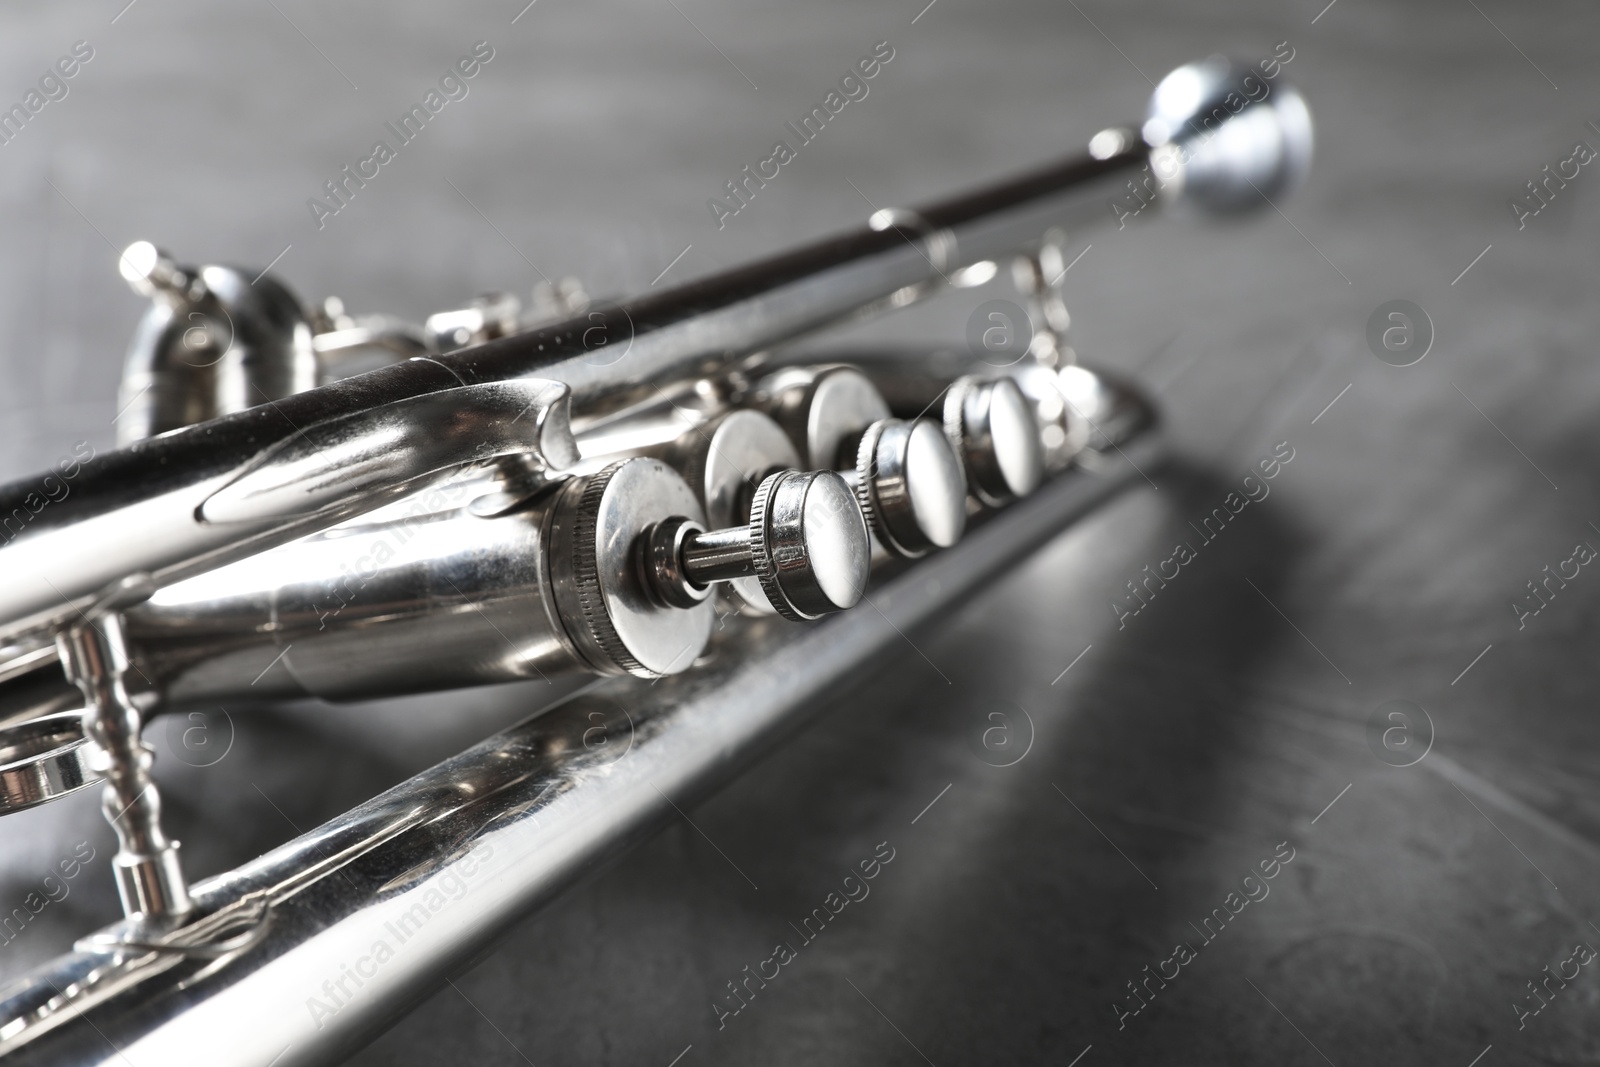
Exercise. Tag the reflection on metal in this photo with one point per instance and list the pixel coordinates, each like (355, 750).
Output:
(151, 490)
(44, 758)
(454, 855)
(213, 341)
(551, 499)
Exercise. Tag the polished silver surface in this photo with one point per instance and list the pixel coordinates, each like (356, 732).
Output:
(806, 544)
(727, 459)
(33, 694)
(726, 455)
(1063, 431)
(993, 428)
(489, 316)
(911, 486)
(149, 876)
(25, 657)
(215, 340)
(515, 821)
(725, 462)
(597, 528)
(193, 557)
(1074, 406)
(327, 471)
(371, 454)
(350, 344)
(42, 758)
(434, 598)
(666, 560)
(1105, 403)
(430, 594)
(1226, 140)
(154, 487)
(1040, 275)
(914, 380)
(665, 428)
(824, 409)
(812, 551)
(831, 411)
(717, 556)
(723, 453)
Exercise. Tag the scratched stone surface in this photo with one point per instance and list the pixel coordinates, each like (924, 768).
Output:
(1238, 718)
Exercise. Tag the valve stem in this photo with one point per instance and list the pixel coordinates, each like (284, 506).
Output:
(806, 542)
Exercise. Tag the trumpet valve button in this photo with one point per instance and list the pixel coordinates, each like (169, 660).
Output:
(994, 428)
(809, 543)
(911, 485)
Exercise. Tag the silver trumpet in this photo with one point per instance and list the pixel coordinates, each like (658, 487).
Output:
(573, 490)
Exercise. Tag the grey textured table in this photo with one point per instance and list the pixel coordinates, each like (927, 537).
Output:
(1227, 723)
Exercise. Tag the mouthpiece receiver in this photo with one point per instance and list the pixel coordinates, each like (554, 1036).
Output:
(1225, 138)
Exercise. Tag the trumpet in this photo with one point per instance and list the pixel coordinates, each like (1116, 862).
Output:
(311, 504)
